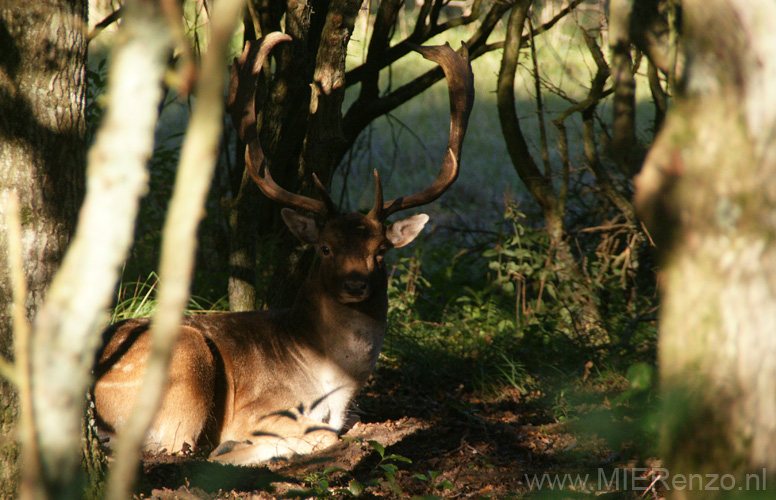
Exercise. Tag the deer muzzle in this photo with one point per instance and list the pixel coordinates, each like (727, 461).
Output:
(355, 287)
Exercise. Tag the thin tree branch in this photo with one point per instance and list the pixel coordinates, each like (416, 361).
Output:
(102, 25)
(364, 111)
(539, 102)
(197, 162)
(387, 14)
(476, 43)
(587, 108)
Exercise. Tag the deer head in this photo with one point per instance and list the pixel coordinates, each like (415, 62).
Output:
(350, 245)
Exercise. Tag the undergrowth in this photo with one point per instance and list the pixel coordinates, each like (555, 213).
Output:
(498, 309)
(492, 322)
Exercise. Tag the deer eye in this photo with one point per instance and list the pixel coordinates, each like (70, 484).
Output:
(325, 250)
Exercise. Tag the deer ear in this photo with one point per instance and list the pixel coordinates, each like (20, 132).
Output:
(404, 231)
(301, 226)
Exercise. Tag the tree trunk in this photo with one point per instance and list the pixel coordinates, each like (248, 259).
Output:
(243, 235)
(323, 139)
(301, 132)
(42, 152)
(708, 195)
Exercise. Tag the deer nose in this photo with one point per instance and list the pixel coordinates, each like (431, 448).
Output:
(355, 286)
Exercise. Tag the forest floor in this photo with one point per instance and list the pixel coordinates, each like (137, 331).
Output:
(436, 440)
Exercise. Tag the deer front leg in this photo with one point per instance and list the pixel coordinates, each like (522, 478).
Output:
(283, 435)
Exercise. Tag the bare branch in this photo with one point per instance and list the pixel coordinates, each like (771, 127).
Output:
(419, 36)
(102, 25)
(363, 111)
(590, 103)
(538, 185)
(539, 102)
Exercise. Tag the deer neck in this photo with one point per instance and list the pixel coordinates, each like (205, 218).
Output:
(348, 334)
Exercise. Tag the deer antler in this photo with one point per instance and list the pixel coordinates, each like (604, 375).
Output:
(242, 90)
(244, 77)
(460, 84)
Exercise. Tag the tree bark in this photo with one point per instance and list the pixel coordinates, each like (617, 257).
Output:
(708, 194)
(42, 154)
(301, 131)
(624, 104)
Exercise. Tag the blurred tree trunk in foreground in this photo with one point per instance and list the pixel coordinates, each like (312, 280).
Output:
(67, 324)
(708, 194)
(42, 157)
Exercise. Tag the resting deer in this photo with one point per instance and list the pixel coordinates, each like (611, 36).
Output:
(277, 383)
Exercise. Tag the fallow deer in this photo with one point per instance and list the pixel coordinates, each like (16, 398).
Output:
(277, 383)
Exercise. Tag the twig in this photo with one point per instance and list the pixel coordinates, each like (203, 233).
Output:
(539, 102)
(604, 228)
(102, 25)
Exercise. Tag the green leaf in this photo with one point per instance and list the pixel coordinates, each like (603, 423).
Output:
(398, 458)
(389, 468)
(377, 447)
(355, 487)
(445, 485)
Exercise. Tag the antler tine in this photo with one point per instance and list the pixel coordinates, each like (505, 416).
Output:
(460, 84)
(243, 80)
(331, 208)
(377, 210)
(242, 94)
